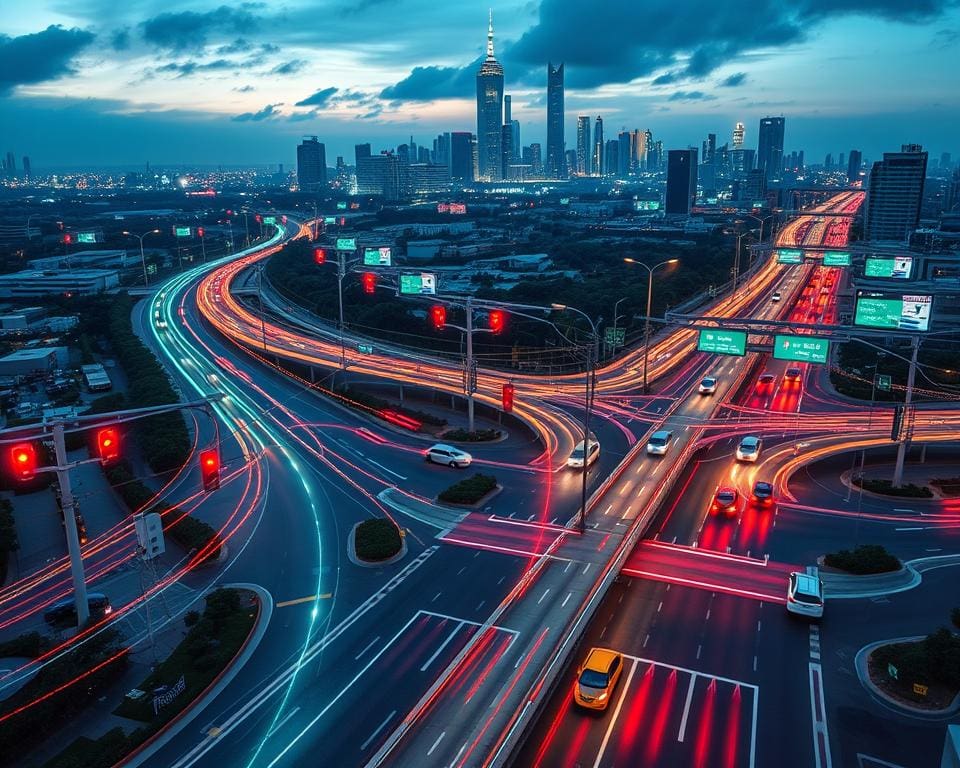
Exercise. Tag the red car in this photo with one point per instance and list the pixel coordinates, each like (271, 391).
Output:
(725, 500)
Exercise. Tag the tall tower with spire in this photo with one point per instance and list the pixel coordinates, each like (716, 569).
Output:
(489, 113)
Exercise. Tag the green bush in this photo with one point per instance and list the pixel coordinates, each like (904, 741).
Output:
(28, 645)
(935, 659)
(477, 436)
(865, 559)
(115, 401)
(885, 487)
(377, 539)
(470, 490)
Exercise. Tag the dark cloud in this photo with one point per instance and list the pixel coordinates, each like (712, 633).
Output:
(120, 39)
(264, 114)
(691, 96)
(299, 117)
(666, 78)
(245, 89)
(428, 83)
(240, 45)
(945, 38)
(39, 56)
(187, 68)
(375, 112)
(189, 29)
(319, 99)
(289, 67)
(738, 78)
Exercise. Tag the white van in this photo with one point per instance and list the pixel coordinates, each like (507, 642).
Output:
(575, 459)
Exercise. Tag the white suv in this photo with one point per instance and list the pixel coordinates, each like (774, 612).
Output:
(447, 454)
(575, 459)
(749, 448)
(805, 595)
(659, 443)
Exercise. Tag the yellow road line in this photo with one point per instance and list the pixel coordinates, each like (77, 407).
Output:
(310, 599)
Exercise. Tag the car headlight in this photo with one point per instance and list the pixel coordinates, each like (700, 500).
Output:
(602, 697)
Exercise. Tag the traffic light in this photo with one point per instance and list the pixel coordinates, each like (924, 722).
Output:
(497, 320)
(320, 255)
(210, 469)
(258, 218)
(369, 282)
(23, 461)
(507, 396)
(199, 231)
(438, 316)
(67, 238)
(108, 444)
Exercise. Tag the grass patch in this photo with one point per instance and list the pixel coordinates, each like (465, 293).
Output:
(885, 487)
(470, 490)
(477, 436)
(377, 539)
(864, 560)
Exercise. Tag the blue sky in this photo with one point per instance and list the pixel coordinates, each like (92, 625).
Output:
(105, 83)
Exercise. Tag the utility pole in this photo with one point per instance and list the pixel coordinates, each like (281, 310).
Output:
(470, 379)
(341, 273)
(70, 525)
(903, 443)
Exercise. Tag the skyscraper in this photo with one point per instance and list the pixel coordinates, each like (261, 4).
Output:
(489, 113)
(770, 147)
(853, 165)
(623, 155)
(10, 166)
(461, 156)
(895, 194)
(311, 164)
(597, 166)
(584, 149)
(26, 165)
(681, 181)
(611, 157)
(556, 161)
(514, 128)
(506, 151)
(738, 133)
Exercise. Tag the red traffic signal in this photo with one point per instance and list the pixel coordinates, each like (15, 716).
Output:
(210, 469)
(320, 255)
(258, 218)
(369, 282)
(497, 320)
(67, 238)
(23, 461)
(108, 444)
(507, 396)
(438, 316)
(199, 231)
(283, 219)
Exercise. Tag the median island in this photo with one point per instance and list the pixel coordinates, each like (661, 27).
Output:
(377, 541)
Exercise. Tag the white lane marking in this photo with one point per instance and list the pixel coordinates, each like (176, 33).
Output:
(686, 708)
(372, 643)
(283, 720)
(442, 645)
(385, 469)
(379, 728)
(616, 714)
(543, 596)
(439, 739)
(822, 758)
(566, 599)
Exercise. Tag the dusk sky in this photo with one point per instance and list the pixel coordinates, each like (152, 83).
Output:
(102, 82)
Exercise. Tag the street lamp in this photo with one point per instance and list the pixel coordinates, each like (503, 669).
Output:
(589, 388)
(616, 317)
(143, 261)
(646, 327)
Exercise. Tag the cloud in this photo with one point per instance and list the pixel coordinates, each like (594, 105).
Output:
(187, 68)
(375, 112)
(429, 83)
(690, 96)
(266, 113)
(189, 29)
(39, 56)
(319, 99)
(946, 38)
(244, 89)
(120, 39)
(289, 67)
(301, 116)
(240, 45)
(666, 78)
(738, 78)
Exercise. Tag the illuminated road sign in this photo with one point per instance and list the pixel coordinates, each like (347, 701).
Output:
(801, 349)
(898, 267)
(722, 342)
(893, 310)
(270, 220)
(377, 257)
(346, 243)
(181, 231)
(789, 256)
(424, 283)
(836, 259)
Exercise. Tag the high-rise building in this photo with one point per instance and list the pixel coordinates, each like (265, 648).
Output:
(570, 158)
(770, 147)
(953, 193)
(598, 145)
(26, 165)
(853, 166)
(556, 167)
(681, 181)
(461, 156)
(10, 166)
(380, 175)
(742, 161)
(441, 150)
(506, 151)
(536, 160)
(584, 149)
(489, 113)
(739, 131)
(311, 164)
(946, 161)
(428, 178)
(895, 194)
(514, 128)
(623, 155)
(361, 150)
(711, 154)
(842, 161)
(611, 154)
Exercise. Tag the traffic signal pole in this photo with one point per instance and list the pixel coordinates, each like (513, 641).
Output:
(70, 525)
(470, 380)
(908, 398)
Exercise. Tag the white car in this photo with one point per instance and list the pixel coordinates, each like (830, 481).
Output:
(447, 454)
(575, 459)
(749, 448)
(776, 296)
(805, 595)
(708, 385)
(659, 443)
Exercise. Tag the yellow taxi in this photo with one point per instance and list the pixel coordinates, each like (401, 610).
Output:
(597, 677)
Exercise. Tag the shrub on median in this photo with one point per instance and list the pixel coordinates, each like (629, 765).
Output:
(377, 539)
(469, 491)
(478, 436)
(885, 487)
(864, 560)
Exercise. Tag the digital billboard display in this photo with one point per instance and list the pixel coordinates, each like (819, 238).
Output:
(836, 259)
(346, 243)
(789, 256)
(646, 205)
(896, 267)
(377, 257)
(893, 310)
(423, 284)
(801, 349)
(722, 342)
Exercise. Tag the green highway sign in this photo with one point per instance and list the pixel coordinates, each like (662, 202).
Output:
(424, 283)
(342, 205)
(722, 342)
(346, 243)
(327, 220)
(891, 310)
(789, 256)
(609, 337)
(801, 349)
(365, 349)
(270, 220)
(898, 267)
(181, 231)
(836, 259)
(883, 382)
(86, 237)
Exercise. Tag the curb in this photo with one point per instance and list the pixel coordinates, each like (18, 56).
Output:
(476, 505)
(845, 479)
(352, 554)
(162, 737)
(861, 665)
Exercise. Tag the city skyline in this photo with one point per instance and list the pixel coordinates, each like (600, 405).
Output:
(227, 86)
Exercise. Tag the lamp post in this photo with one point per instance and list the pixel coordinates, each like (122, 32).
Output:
(646, 327)
(615, 318)
(143, 260)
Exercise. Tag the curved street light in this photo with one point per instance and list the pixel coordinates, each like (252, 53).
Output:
(646, 326)
(143, 261)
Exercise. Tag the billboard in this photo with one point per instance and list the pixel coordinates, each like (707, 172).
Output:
(646, 205)
(801, 349)
(377, 257)
(181, 231)
(722, 342)
(423, 284)
(893, 310)
(789, 256)
(836, 259)
(897, 267)
(346, 243)
(458, 209)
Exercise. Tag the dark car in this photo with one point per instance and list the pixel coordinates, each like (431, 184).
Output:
(64, 613)
(762, 493)
(765, 382)
(725, 500)
(792, 374)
